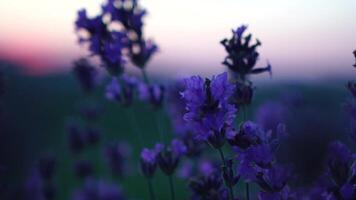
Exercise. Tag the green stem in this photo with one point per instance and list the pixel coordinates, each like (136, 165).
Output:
(224, 168)
(247, 191)
(171, 187)
(150, 189)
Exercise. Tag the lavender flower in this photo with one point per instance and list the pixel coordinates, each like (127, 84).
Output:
(83, 169)
(86, 74)
(243, 94)
(209, 112)
(76, 137)
(242, 56)
(122, 92)
(130, 15)
(47, 166)
(148, 160)
(116, 156)
(169, 157)
(93, 190)
(154, 94)
(106, 44)
(208, 188)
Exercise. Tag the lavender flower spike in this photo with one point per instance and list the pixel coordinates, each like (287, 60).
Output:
(209, 112)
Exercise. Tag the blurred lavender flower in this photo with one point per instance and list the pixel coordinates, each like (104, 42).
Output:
(203, 167)
(168, 158)
(98, 190)
(47, 166)
(273, 182)
(130, 15)
(106, 44)
(93, 135)
(33, 187)
(83, 169)
(243, 94)
(208, 188)
(76, 137)
(86, 74)
(148, 160)
(90, 111)
(121, 90)
(209, 112)
(270, 114)
(117, 155)
(154, 94)
(242, 56)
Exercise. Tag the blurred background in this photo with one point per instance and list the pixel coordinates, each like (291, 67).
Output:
(308, 43)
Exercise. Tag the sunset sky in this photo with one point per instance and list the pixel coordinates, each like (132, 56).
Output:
(304, 38)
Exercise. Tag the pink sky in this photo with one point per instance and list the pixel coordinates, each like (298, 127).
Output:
(303, 38)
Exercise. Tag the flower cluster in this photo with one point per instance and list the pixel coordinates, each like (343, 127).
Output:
(203, 113)
(209, 111)
(242, 56)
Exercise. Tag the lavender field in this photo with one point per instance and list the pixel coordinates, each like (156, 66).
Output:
(108, 127)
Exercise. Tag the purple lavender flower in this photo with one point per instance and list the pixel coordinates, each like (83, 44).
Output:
(148, 160)
(93, 135)
(243, 94)
(86, 74)
(142, 51)
(208, 188)
(168, 158)
(273, 180)
(154, 94)
(90, 111)
(242, 56)
(47, 166)
(129, 14)
(270, 114)
(76, 137)
(106, 44)
(209, 112)
(83, 169)
(94, 190)
(339, 162)
(121, 90)
(116, 156)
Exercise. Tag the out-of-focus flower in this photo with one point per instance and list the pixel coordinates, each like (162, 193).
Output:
(142, 51)
(93, 135)
(93, 190)
(47, 166)
(154, 94)
(273, 180)
(148, 160)
(208, 188)
(243, 94)
(117, 155)
(121, 90)
(106, 44)
(209, 112)
(339, 162)
(270, 114)
(228, 174)
(76, 137)
(242, 56)
(130, 15)
(90, 111)
(168, 158)
(86, 74)
(83, 169)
